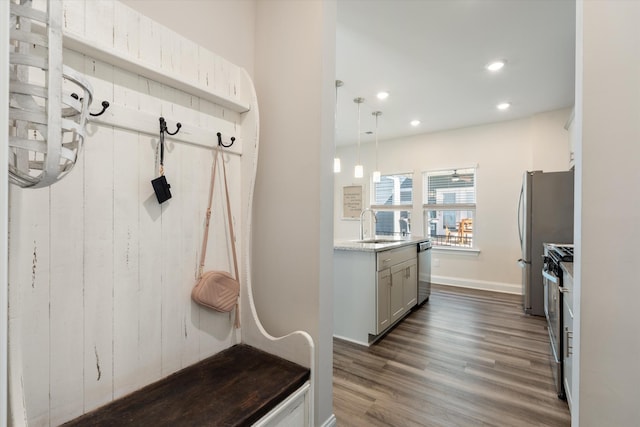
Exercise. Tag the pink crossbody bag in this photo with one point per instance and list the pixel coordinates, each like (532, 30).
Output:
(218, 289)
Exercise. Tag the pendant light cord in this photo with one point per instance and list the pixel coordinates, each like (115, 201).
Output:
(377, 113)
(358, 169)
(359, 133)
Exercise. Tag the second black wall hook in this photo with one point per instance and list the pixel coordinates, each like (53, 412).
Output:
(163, 127)
(233, 139)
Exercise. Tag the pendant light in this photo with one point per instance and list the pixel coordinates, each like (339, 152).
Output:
(336, 160)
(376, 173)
(336, 165)
(359, 169)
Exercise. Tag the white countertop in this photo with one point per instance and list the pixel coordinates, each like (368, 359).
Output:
(389, 243)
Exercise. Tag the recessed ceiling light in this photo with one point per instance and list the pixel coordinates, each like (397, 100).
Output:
(503, 106)
(495, 65)
(383, 95)
(415, 123)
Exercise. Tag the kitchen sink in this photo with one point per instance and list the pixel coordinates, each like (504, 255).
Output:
(378, 241)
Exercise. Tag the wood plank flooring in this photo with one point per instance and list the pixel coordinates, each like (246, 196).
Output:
(464, 358)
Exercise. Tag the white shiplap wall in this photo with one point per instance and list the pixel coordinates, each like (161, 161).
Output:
(100, 274)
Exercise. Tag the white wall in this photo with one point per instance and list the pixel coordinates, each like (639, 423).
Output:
(292, 251)
(502, 151)
(608, 174)
(226, 27)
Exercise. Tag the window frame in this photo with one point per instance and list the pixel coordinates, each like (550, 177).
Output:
(399, 208)
(469, 206)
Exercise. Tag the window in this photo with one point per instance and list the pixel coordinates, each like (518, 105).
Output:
(393, 200)
(449, 206)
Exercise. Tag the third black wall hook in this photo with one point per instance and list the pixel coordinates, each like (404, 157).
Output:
(233, 139)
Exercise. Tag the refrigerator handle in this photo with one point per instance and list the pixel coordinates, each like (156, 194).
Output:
(519, 214)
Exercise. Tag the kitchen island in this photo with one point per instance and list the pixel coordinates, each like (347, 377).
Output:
(375, 286)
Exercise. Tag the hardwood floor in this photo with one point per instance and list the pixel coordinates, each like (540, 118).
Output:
(464, 358)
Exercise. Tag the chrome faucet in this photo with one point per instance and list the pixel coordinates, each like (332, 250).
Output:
(373, 215)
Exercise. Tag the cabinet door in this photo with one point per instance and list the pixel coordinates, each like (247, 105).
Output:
(382, 295)
(410, 285)
(397, 292)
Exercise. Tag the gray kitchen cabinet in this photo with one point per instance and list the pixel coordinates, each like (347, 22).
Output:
(410, 284)
(403, 286)
(383, 318)
(396, 292)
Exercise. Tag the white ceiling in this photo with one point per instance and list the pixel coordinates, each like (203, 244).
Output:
(430, 56)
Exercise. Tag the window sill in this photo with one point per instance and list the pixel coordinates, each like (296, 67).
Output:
(455, 250)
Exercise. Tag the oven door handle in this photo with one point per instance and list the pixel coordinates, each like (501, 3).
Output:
(550, 277)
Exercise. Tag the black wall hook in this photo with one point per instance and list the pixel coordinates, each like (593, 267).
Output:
(233, 139)
(163, 127)
(105, 105)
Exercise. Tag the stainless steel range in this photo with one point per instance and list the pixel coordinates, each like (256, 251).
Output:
(554, 254)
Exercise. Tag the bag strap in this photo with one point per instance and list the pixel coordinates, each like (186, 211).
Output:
(203, 252)
(231, 234)
(233, 238)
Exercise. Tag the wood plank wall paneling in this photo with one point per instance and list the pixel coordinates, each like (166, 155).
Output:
(150, 264)
(100, 274)
(464, 358)
(98, 197)
(29, 296)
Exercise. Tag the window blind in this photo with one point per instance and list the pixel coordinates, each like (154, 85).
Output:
(393, 191)
(449, 189)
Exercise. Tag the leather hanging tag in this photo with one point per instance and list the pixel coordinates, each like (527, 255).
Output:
(161, 188)
(160, 185)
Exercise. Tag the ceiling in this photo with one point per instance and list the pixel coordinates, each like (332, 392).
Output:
(430, 55)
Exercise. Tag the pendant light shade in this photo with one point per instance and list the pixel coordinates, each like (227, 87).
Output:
(359, 169)
(376, 173)
(336, 165)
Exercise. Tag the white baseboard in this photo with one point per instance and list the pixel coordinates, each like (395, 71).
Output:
(485, 285)
(351, 340)
(331, 421)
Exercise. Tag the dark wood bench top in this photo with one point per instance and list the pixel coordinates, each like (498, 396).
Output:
(235, 387)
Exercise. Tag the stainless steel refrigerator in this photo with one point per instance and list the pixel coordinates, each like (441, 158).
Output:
(545, 215)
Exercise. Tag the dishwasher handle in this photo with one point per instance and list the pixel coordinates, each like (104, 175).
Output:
(424, 246)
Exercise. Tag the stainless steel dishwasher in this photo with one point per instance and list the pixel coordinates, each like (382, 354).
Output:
(424, 271)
